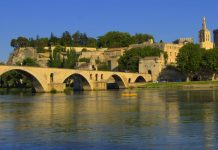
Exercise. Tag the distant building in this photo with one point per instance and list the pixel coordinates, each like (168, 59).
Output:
(170, 48)
(152, 66)
(215, 34)
(205, 36)
(112, 56)
(184, 41)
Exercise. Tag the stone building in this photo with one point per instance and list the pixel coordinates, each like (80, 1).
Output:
(152, 66)
(112, 56)
(205, 36)
(184, 41)
(97, 55)
(170, 48)
(215, 34)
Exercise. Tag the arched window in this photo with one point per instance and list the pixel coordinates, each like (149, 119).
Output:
(52, 77)
(96, 77)
(129, 81)
(90, 76)
(149, 72)
(102, 77)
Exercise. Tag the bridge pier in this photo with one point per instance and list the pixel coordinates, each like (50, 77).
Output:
(100, 85)
(59, 87)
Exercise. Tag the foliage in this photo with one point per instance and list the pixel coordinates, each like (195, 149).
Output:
(140, 38)
(115, 39)
(66, 39)
(130, 60)
(30, 62)
(58, 49)
(87, 60)
(14, 79)
(111, 39)
(71, 59)
(59, 60)
(20, 42)
(103, 67)
(55, 60)
(189, 59)
(121, 39)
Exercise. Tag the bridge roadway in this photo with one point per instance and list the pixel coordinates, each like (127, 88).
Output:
(47, 79)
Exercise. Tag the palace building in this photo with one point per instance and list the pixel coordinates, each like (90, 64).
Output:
(205, 36)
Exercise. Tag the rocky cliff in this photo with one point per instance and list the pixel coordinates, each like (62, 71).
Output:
(22, 53)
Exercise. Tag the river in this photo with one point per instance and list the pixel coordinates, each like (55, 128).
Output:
(107, 120)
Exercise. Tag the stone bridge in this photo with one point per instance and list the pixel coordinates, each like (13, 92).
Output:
(47, 79)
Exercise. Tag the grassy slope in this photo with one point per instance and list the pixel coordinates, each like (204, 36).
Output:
(196, 84)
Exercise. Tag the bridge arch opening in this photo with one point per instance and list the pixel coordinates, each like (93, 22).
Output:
(140, 79)
(17, 78)
(77, 82)
(115, 82)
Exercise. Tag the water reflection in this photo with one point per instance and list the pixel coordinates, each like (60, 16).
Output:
(154, 119)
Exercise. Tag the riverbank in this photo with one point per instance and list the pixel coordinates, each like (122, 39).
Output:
(15, 90)
(192, 84)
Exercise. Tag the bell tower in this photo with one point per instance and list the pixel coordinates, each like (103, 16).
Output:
(205, 36)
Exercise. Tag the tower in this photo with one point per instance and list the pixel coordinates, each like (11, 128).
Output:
(205, 36)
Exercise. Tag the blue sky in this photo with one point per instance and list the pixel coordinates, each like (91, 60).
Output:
(166, 20)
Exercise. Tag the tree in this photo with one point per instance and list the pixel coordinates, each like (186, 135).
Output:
(14, 43)
(115, 39)
(30, 62)
(141, 38)
(92, 42)
(130, 60)
(189, 59)
(20, 42)
(66, 39)
(40, 44)
(53, 40)
(209, 63)
(76, 39)
(71, 59)
(55, 60)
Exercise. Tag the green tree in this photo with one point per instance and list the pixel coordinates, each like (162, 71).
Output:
(115, 39)
(76, 38)
(53, 40)
(189, 59)
(141, 38)
(20, 42)
(71, 59)
(92, 42)
(209, 63)
(30, 62)
(55, 61)
(66, 39)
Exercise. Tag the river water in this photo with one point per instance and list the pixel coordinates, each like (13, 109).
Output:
(107, 120)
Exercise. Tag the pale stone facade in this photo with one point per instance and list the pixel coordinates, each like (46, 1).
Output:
(205, 36)
(112, 55)
(97, 55)
(152, 66)
(170, 48)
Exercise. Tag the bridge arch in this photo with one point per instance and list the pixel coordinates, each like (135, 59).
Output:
(78, 81)
(38, 85)
(140, 79)
(116, 82)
